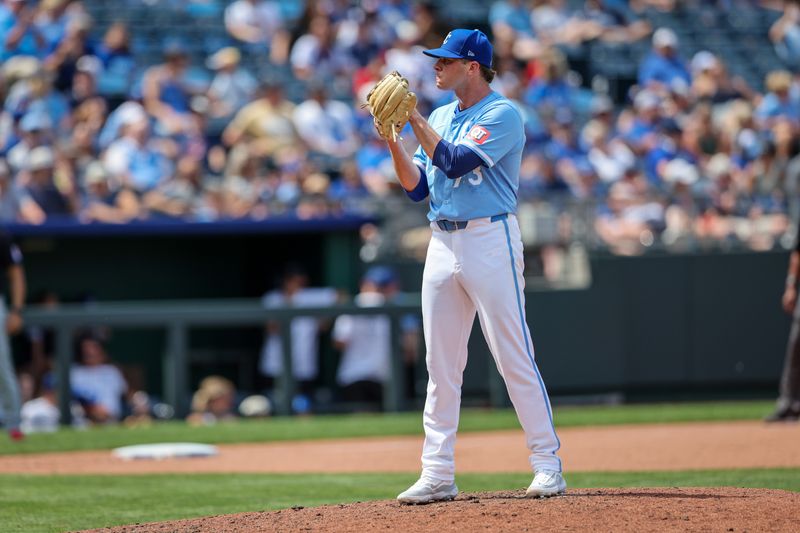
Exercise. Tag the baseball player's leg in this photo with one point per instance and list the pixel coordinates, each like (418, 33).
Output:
(790, 378)
(447, 316)
(496, 286)
(9, 389)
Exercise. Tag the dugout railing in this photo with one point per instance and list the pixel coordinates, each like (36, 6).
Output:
(177, 318)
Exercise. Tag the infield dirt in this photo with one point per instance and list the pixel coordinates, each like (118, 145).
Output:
(620, 510)
(664, 447)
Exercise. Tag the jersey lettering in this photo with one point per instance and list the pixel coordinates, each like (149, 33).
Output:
(478, 176)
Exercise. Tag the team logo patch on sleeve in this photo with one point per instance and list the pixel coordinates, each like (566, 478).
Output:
(478, 134)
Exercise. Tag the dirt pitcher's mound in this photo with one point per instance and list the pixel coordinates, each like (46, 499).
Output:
(633, 509)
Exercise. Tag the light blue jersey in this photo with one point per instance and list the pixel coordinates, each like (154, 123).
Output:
(493, 129)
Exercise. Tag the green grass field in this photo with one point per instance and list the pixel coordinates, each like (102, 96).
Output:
(343, 426)
(57, 503)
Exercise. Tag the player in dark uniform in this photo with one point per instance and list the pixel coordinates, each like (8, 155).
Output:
(788, 408)
(10, 323)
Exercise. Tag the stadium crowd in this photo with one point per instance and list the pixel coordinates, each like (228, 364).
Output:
(265, 119)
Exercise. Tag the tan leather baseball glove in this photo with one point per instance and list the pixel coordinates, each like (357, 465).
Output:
(391, 104)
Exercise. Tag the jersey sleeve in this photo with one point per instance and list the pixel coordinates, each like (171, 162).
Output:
(421, 158)
(495, 133)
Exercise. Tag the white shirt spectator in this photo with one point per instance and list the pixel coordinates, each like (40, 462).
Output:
(305, 52)
(103, 384)
(256, 19)
(233, 89)
(367, 340)
(304, 330)
(39, 416)
(327, 127)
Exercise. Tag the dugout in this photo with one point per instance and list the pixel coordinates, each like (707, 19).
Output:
(659, 326)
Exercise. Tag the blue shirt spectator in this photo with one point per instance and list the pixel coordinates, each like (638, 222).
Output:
(779, 102)
(663, 66)
(18, 34)
(512, 14)
(668, 148)
(119, 65)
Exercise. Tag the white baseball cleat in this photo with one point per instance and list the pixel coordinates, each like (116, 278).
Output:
(427, 490)
(545, 484)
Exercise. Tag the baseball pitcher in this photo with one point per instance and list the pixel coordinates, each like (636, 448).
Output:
(468, 166)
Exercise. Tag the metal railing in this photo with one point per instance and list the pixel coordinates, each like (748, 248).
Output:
(177, 317)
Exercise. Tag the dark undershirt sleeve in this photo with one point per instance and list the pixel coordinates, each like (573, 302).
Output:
(421, 191)
(455, 160)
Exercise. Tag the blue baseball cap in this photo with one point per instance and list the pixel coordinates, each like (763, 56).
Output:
(465, 44)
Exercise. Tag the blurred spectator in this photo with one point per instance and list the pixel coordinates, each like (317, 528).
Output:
(552, 23)
(631, 220)
(349, 188)
(13, 282)
(711, 81)
(780, 101)
(33, 91)
(165, 92)
(119, 65)
(178, 196)
(127, 113)
(107, 200)
(83, 89)
(242, 189)
(232, 86)
(315, 54)
(136, 159)
(610, 158)
(365, 343)
(42, 414)
(263, 127)
(77, 95)
(99, 382)
(75, 44)
(785, 34)
(313, 203)
(663, 66)
(294, 291)
(52, 21)
(510, 17)
(639, 128)
(214, 401)
(551, 90)
(357, 38)
(16, 205)
(405, 55)
(18, 33)
(670, 145)
(778, 167)
(259, 23)
(40, 342)
(36, 129)
(327, 126)
(374, 163)
(41, 186)
(606, 21)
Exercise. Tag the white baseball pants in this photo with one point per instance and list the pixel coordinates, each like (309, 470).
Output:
(479, 269)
